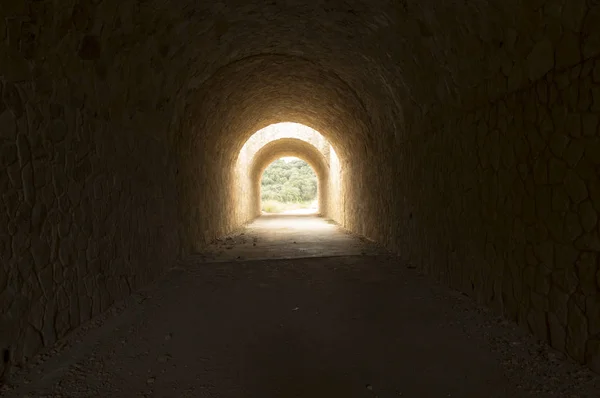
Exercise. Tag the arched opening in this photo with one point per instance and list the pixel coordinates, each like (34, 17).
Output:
(218, 120)
(290, 140)
(289, 185)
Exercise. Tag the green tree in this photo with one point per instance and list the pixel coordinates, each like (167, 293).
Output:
(289, 182)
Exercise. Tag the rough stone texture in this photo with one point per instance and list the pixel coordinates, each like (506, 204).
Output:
(514, 206)
(87, 184)
(467, 135)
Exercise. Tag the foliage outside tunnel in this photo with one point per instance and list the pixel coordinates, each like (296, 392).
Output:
(288, 184)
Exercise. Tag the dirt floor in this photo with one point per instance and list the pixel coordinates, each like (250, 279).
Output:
(275, 236)
(357, 325)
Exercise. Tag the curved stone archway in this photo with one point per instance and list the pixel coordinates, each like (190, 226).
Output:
(307, 93)
(289, 147)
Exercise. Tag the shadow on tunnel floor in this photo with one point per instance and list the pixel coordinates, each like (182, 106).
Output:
(316, 327)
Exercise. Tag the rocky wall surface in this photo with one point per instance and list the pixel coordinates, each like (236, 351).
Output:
(510, 200)
(88, 198)
(85, 218)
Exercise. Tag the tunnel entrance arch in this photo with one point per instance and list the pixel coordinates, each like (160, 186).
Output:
(289, 147)
(287, 140)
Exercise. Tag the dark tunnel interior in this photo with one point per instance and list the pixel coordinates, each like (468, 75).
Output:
(462, 136)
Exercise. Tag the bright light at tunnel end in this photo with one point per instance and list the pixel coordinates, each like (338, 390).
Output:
(287, 141)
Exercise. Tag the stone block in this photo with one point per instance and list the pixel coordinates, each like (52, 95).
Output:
(577, 333)
(586, 272)
(558, 304)
(596, 72)
(8, 126)
(573, 153)
(588, 241)
(573, 227)
(558, 143)
(589, 33)
(592, 151)
(592, 311)
(575, 187)
(593, 355)
(573, 13)
(537, 324)
(557, 169)
(595, 107)
(588, 215)
(558, 334)
(567, 50)
(13, 66)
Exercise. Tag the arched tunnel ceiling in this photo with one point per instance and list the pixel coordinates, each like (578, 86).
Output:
(402, 58)
(382, 63)
(277, 88)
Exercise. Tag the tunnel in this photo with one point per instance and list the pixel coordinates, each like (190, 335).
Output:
(461, 137)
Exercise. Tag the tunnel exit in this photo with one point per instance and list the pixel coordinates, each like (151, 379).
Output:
(289, 185)
(288, 168)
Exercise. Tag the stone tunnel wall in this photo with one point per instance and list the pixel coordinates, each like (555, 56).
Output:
(511, 197)
(87, 180)
(86, 218)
